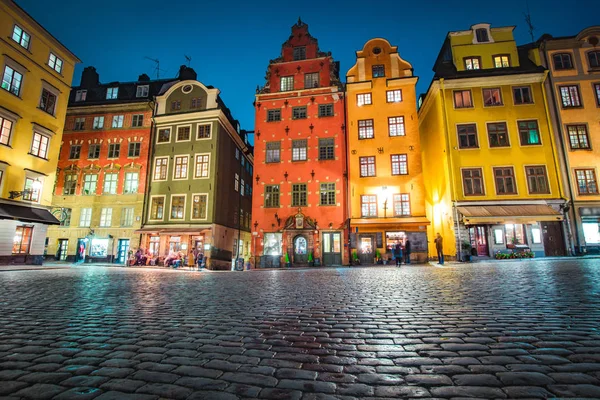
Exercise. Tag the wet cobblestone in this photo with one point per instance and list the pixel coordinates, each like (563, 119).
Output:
(514, 330)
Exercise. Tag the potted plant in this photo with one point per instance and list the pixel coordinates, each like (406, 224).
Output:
(311, 260)
(355, 259)
(286, 258)
(466, 248)
(378, 257)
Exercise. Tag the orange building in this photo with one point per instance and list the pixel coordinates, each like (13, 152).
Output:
(386, 192)
(299, 203)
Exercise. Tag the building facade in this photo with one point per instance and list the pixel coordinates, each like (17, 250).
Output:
(386, 189)
(299, 207)
(574, 94)
(102, 169)
(200, 185)
(37, 71)
(493, 176)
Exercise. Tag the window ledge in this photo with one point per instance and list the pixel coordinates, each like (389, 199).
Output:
(16, 95)
(6, 145)
(49, 113)
(36, 156)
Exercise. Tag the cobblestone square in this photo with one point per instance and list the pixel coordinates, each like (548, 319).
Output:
(500, 330)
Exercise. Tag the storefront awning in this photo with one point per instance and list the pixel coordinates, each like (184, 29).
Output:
(27, 213)
(173, 231)
(507, 214)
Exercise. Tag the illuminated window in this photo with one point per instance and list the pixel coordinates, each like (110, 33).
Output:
(299, 150)
(199, 206)
(396, 126)
(364, 99)
(368, 205)
(365, 129)
(106, 217)
(393, 96)
(492, 97)
(367, 166)
(569, 96)
(98, 123)
(498, 134)
(272, 244)
(161, 166)
(157, 206)
(472, 63)
(70, 184)
(202, 167)
(21, 37)
(473, 181)
(286, 83)
(112, 93)
(89, 184)
(177, 207)
(32, 189)
(399, 164)
(110, 183)
(502, 61)
(55, 63)
(22, 239)
(142, 91)
(515, 234)
(131, 182)
(180, 170)
(11, 80)
(586, 181)
(39, 145)
(117, 121)
(273, 152)
(578, 137)
(85, 218)
(463, 99)
(5, 130)
(529, 133)
(401, 204)
(537, 179)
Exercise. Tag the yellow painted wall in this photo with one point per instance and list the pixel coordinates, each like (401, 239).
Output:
(502, 42)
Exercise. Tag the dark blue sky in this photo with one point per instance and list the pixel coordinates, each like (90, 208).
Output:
(231, 42)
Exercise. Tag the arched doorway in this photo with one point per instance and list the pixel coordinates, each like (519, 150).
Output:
(300, 250)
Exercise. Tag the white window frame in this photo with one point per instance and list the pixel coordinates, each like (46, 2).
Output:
(393, 96)
(150, 208)
(20, 41)
(286, 78)
(163, 129)
(131, 183)
(192, 207)
(154, 169)
(196, 168)
(81, 95)
(142, 91)
(177, 133)
(106, 217)
(33, 178)
(98, 122)
(364, 99)
(185, 157)
(41, 139)
(56, 64)
(112, 93)
(117, 121)
(113, 184)
(184, 195)
(127, 216)
(6, 117)
(52, 92)
(16, 69)
(92, 193)
(85, 217)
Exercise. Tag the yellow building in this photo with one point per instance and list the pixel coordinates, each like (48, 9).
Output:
(36, 76)
(488, 149)
(574, 87)
(385, 171)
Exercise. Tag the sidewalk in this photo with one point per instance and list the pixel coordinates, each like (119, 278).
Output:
(453, 264)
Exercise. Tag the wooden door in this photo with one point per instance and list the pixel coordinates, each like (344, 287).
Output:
(300, 250)
(554, 245)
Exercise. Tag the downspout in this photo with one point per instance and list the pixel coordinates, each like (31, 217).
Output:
(346, 177)
(148, 166)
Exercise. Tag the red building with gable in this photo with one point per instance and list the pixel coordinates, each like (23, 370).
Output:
(299, 204)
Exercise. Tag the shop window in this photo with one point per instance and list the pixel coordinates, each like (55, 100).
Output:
(175, 245)
(536, 234)
(392, 239)
(99, 248)
(272, 244)
(154, 245)
(22, 239)
(498, 236)
(591, 233)
(515, 234)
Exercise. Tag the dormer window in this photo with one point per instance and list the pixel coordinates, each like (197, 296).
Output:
(299, 53)
(111, 93)
(142, 91)
(482, 35)
(502, 61)
(378, 71)
(472, 63)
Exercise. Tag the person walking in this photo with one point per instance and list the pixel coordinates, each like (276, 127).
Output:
(439, 246)
(191, 261)
(407, 250)
(398, 254)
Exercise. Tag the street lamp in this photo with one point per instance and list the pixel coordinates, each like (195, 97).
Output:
(35, 187)
(384, 190)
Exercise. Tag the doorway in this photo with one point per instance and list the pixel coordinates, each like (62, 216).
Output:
(553, 239)
(479, 240)
(365, 250)
(122, 251)
(81, 250)
(300, 250)
(332, 248)
(63, 245)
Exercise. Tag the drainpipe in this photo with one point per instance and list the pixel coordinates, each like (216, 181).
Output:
(242, 153)
(346, 180)
(152, 105)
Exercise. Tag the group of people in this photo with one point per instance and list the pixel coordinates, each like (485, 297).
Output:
(175, 259)
(142, 257)
(399, 252)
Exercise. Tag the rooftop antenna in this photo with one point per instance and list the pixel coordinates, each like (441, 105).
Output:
(157, 68)
(530, 27)
(188, 59)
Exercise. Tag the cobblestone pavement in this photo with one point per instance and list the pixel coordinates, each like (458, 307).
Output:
(515, 330)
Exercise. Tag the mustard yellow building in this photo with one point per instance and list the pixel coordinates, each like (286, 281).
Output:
(36, 76)
(574, 91)
(490, 159)
(385, 171)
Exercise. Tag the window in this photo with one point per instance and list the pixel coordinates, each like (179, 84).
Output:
(498, 134)
(5, 130)
(31, 192)
(112, 93)
(113, 150)
(98, 123)
(299, 53)
(287, 83)
(66, 217)
(237, 154)
(368, 205)
(80, 95)
(183, 133)
(472, 63)
(177, 207)
(70, 184)
(299, 112)
(110, 183)
(272, 244)
(396, 126)
(299, 150)
(537, 180)
(378, 71)
(131, 182)
(327, 149)
(161, 166)
(236, 183)
(594, 59)
(127, 216)
(11, 80)
(586, 181)
(401, 204)
(463, 99)
(176, 105)
(562, 61)
(326, 110)
(364, 99)
(75, 152)
(134, 149)
(196, 102)
(79, 124)
(157, 207)
(597, 92)
(399, 164)
(393, 96)
(367, 166)
(529, 133)
(106, 217)
(273, 152)
(94, 151)
(299, 194)
(117, 121)
(570, 96)
(242, 187)
(327, 194)
(365, 129)
(181, 167)
(473, 182)
(22, 239)
(482, 35)
(505, 180)
(492, 97)
(273, 115)
(311, 80)
(89, 184)
(142, 91)
(272, 196)
(137, 120)
(203, 132)
(515, 234)
(467, 136)
(21, 37)
(48, 101)
(85, 218)
(199, 206)
(164, 135)
(55, 63)
(39, 145)
(202, 165)
(522, 95)
(578, 137)
(502, 61)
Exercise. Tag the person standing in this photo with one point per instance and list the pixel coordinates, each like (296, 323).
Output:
(439, 246)
(398, 254)
(407, 250)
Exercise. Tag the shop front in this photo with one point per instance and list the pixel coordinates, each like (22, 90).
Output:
(590, 229)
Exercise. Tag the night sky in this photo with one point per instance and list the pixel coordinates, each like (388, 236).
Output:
(231, 42)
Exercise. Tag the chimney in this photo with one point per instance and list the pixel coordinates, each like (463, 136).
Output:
(187, 74)
(89, 77)
(143, 78)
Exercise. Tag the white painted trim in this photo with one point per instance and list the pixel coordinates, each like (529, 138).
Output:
(514, 178)
(154, 169)
(158, 129)
(164, 207)
(192, 207)
(187, 172)
(195, 161)
(177, 133)
(171, 206)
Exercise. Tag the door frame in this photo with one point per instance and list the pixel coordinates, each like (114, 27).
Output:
(125, 255)
(327, 255)
(296, 237)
